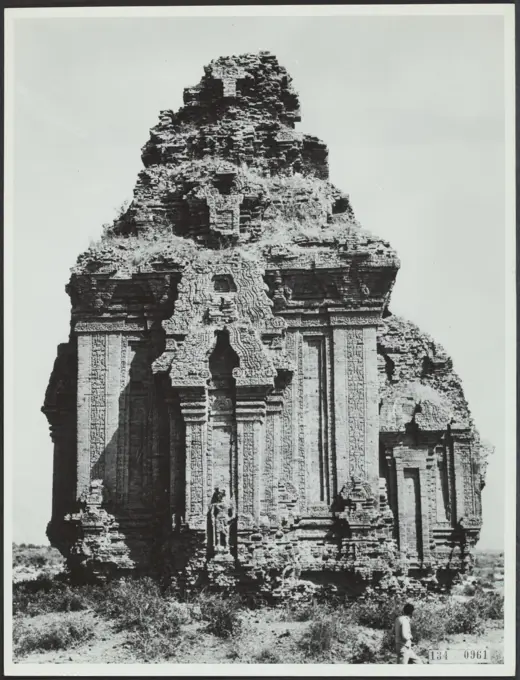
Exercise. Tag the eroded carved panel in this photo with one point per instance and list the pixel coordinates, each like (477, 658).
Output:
(313, 417)
(272, 450)
(246, 490)
(97, 403)
(356, 402)
(288, 415)
(196, 448)
(83, 433)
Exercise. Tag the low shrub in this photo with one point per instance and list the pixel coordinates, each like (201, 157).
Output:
(388, 641)
(334, 635)
(430, 620)
(36, 557)
(434, 620)
(137, 606)
(222, 614)
(130, 601)
(46, 595)
(469, 589)
(305, 611)
(63, 633)
(138, 603)
(357, 647)
(268, 655)
(376, 612)
(152, 621)
(463, 617)
(320, 636)
(489, 605)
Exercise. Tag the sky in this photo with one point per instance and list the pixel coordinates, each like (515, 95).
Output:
(412, 110)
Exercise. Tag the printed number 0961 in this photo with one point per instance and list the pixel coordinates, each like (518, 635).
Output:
(476, 654)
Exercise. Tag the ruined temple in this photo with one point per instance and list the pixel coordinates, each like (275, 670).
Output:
(235, 400)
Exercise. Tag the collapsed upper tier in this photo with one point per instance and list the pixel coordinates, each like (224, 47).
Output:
(228, 171)
(243, 110)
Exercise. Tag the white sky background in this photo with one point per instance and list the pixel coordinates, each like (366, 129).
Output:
(412, 109)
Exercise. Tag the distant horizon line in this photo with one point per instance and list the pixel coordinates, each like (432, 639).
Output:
(477, 548)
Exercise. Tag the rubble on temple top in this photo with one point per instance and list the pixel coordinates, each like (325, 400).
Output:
(229, 171)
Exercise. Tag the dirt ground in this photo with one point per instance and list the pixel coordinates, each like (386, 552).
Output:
(274, 640)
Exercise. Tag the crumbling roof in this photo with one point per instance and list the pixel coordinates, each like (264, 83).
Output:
(415, 402)
(228, 171)
(408, 355)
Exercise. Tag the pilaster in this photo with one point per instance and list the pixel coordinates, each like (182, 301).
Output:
(104, 360)
(272, 466)
(355, 393)
(194, 409)
(84, 342)
(250, 418)
(463, 478)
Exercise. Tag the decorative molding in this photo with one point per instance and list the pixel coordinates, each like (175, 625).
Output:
(110, 326)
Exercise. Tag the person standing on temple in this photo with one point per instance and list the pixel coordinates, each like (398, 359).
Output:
(403, 637)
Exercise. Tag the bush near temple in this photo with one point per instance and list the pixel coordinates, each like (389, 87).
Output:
(51, 615)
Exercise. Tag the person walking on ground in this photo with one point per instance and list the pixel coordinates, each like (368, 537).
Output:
(403, 637)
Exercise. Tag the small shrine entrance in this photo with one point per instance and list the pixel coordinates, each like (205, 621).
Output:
(222, 438)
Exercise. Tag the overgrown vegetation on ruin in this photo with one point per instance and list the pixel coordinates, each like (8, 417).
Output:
(296, 210)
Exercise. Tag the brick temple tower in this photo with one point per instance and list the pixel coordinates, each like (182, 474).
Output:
(235, 397)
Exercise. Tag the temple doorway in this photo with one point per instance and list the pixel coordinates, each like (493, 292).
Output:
(222, 425)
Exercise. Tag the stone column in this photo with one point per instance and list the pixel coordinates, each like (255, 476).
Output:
(83, 436)
(339, 377)
(250, 416)
(104, 362)
(194, 409)
(272, 455)
(371, 397)
(98, 408)
(355, 394)
(463, 478)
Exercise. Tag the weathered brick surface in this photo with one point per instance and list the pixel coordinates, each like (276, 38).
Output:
(236, 407)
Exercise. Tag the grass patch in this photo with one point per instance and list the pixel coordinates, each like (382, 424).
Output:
(47, 595)
(136, 606)
(333, 636)
(342, 630)
(305, 611)
(38, 556)
(489, 605)
(268, 655)
(378, 613)
(152, 621)
(58, 634)
(34, 561)
(221, 613)
(318, 639)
